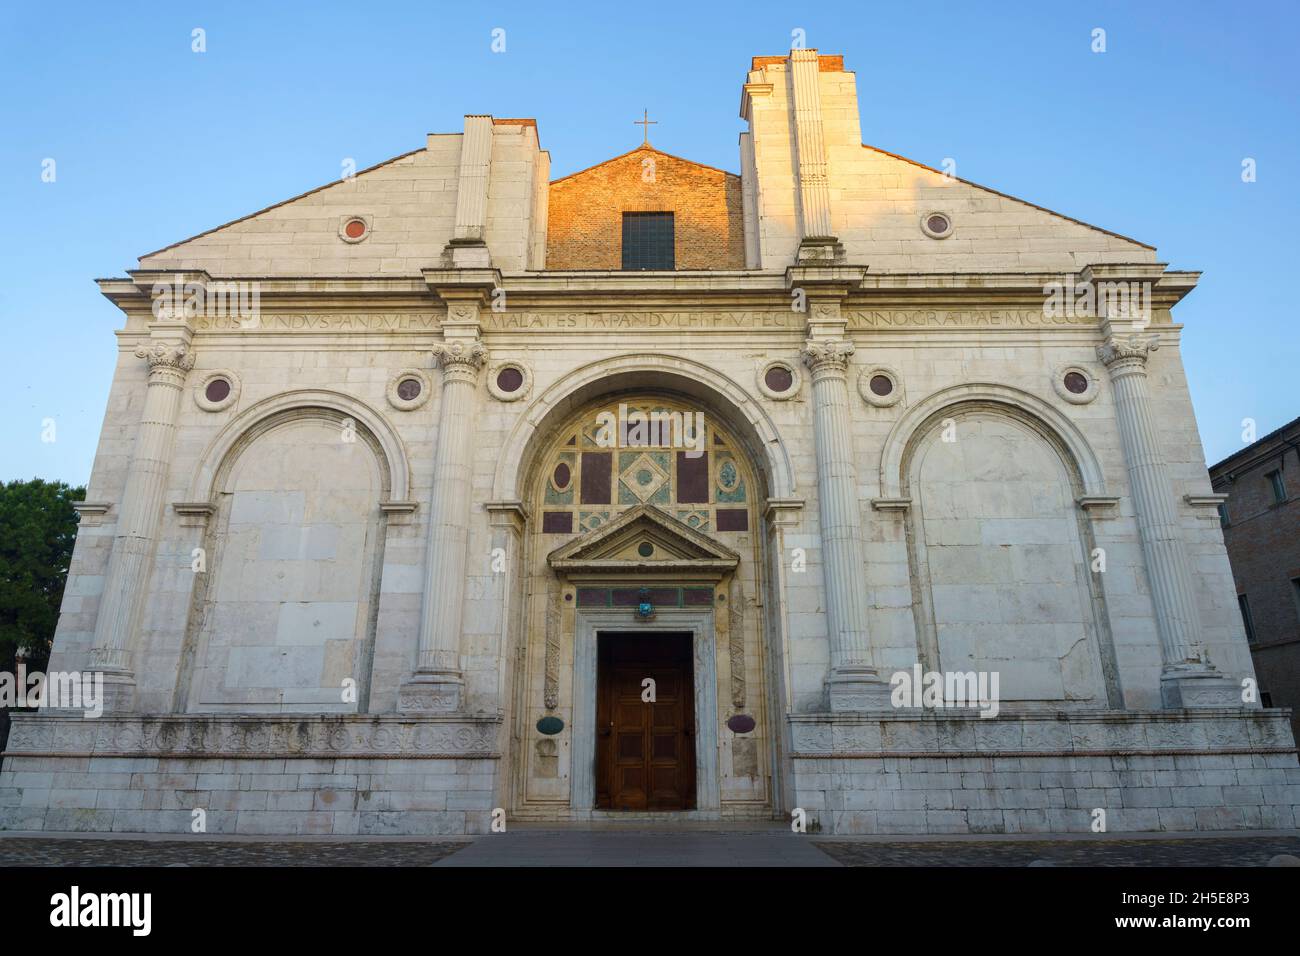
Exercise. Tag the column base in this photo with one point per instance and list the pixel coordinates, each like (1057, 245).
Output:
(1198, 688)
(431, 693)
(467, 254)
(857, 689)
(118, 693)
(820, 250)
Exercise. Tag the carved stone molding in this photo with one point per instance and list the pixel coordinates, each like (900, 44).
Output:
(736, 646)
(1042, 734)
(92, 513)
(551, 662)
(203, 735)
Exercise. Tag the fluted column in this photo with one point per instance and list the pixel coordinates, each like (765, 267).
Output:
(437, 682)
(1187, 680)
(854, 683)
(126, 577)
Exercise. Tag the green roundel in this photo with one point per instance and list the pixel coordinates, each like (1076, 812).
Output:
(550, 726)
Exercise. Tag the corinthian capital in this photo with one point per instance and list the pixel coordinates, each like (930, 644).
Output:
(827, 354)
(461, 356)
(1127, 350)
(165, 356)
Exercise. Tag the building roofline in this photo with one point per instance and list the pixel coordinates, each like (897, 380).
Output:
(638, 148)
(987, 189)
(1255, 445)
(283, 202)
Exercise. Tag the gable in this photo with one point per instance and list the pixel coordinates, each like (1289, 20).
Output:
(585, 219)
(880, 224)
(644, 540)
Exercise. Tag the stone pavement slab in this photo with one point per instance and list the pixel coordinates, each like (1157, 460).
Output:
(624, 846)
(1228, 851)
(641, 848)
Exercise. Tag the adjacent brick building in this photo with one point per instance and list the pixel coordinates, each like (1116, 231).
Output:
(1261, 528)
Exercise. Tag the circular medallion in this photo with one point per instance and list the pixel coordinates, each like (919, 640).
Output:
(550, 726)
(740, 723)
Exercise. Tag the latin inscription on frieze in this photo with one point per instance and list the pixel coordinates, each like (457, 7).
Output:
(319, 322)
(960, 318)
(512, 321)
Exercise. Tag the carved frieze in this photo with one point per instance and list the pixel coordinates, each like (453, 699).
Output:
(247, 736)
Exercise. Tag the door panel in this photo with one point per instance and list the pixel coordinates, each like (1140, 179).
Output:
(645, 750)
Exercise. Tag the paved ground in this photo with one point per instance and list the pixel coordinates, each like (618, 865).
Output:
(769, 847)
(1231, 851)
(81, 852)
(642, 848)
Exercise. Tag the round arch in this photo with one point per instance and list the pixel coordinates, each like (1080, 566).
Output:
(894, 453)
(397, 472)
(644, 371)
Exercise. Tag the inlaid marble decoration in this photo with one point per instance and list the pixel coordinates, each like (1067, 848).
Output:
(645, 450)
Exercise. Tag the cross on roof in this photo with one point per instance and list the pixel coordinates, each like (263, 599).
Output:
(645, 122)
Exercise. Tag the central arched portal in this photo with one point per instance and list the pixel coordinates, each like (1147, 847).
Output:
(643, 682)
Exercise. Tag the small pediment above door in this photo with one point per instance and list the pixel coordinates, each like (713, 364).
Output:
(643, 539)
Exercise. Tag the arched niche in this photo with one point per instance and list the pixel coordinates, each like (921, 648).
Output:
(283, 617)
(1000, 551)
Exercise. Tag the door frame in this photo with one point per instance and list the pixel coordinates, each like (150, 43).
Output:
(696, 622)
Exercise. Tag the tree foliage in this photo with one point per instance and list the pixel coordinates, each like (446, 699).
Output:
(38, 527)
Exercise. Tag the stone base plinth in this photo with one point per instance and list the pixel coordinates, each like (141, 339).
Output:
(1199, 690)
(856, 691)
(430, 694)
(290, 775)
(1046, 772)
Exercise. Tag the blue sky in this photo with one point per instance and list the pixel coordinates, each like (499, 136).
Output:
(154, 143)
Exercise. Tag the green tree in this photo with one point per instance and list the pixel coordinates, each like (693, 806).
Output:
(38, 527)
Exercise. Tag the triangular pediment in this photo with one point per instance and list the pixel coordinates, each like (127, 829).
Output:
(643, 539)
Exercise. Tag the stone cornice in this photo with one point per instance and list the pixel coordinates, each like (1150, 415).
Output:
(854, 286)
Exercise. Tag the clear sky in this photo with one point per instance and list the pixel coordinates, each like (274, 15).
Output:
(153, 142)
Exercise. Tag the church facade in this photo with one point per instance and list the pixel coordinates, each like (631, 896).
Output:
(841, 491)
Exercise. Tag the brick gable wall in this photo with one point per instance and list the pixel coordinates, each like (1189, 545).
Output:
(585, 228)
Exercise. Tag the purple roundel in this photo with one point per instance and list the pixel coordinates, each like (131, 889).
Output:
(740, 723)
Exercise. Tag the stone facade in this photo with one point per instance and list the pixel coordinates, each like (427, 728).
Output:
(1261, 508)
(345, 589)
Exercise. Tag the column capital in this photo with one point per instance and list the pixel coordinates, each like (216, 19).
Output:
(1126, 351)
(167, 357)
(827, 355)
(461, 359)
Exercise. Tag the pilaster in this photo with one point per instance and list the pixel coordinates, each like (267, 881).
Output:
(126, 577)
(1187, 679)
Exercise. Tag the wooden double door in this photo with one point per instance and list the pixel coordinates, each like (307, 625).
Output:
(645, 748)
